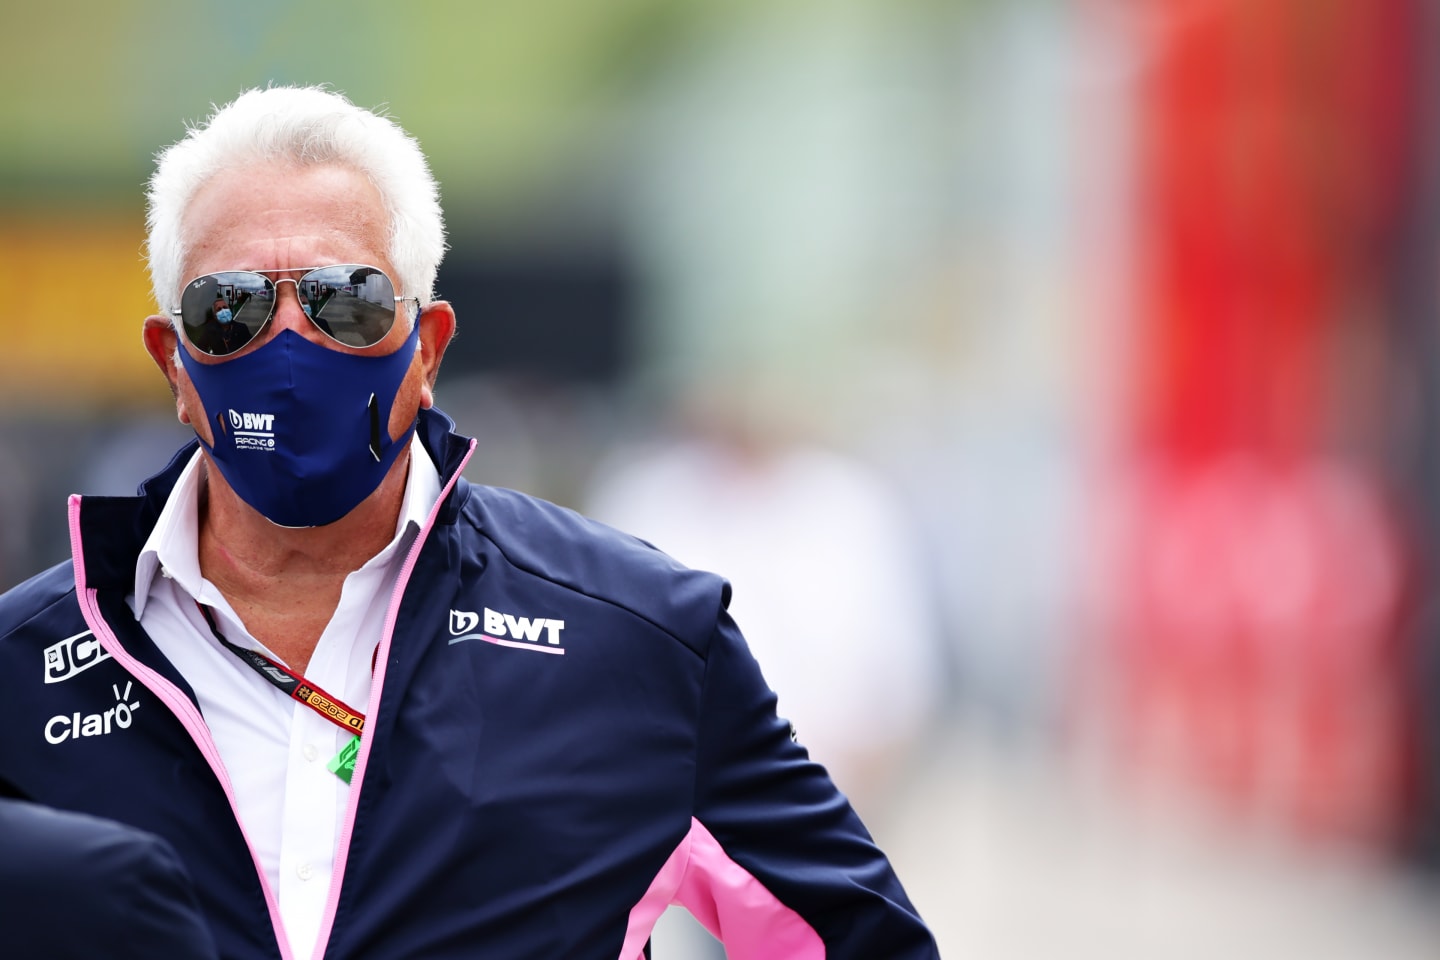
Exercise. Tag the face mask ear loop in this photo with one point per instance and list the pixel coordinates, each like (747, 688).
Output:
(374, 428)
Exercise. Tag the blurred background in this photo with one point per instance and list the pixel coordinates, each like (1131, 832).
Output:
(1055, 380)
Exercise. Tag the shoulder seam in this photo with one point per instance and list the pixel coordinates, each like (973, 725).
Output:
(60, 598)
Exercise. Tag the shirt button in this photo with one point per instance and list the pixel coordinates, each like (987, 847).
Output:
(304, 871)
(310, 752)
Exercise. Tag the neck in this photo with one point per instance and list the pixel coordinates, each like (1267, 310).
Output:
(285, 583)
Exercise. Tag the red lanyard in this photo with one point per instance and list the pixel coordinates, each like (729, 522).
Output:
(293, 684)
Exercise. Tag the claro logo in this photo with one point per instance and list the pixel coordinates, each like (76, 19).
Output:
(70, 656)
(73, 726)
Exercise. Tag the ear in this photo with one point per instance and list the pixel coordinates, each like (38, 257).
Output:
(162, 343)
(437, 328)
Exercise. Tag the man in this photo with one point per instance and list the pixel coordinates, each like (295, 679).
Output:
(75, 887)
(380, 711)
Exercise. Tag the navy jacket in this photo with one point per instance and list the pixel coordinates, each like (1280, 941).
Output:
(567, 733)
(75, 887)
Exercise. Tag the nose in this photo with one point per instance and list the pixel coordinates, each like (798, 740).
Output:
(290, 313)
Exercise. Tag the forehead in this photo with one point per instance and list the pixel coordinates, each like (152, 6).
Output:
(271, 216)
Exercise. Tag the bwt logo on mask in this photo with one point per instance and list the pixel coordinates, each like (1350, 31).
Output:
(253, 431)
(252, 421)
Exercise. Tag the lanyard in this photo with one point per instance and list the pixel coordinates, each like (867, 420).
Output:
(293, 684)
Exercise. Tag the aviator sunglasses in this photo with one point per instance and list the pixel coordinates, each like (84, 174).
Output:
(351, 303)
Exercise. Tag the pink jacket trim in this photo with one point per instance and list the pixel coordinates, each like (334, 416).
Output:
(180, 705)
(727, 899)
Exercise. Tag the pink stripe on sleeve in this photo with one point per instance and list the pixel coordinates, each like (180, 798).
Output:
(727, 899)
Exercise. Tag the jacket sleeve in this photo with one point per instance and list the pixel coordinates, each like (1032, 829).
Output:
(76, 886)
(778, 865)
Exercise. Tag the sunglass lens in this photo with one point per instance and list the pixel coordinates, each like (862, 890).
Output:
(351, 302)
(221, 312)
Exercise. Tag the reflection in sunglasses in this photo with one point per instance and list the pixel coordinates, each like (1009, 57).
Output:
(353, 304)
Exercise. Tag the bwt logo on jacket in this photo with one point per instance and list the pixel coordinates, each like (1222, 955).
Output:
(70, 656)
(498, 626)
(254, 431)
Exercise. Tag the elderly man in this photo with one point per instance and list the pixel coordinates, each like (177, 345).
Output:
(380, 711)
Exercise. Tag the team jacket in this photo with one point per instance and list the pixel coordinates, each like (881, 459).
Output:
(567, 733)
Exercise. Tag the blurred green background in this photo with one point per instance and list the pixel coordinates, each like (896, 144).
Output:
(516, 103)
(542, 121)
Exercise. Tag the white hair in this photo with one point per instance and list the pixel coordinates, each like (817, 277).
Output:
(305, 126)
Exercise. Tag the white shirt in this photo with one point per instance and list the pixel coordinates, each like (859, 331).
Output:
(275, 749)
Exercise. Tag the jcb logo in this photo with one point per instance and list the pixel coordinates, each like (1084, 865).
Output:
(70, 656)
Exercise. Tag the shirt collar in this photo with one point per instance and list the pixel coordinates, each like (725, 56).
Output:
(173, 547)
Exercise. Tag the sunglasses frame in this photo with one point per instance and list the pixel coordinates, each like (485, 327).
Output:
(304, 272)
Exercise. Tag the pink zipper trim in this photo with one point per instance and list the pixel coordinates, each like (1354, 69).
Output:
(178, 703)
(382, 659)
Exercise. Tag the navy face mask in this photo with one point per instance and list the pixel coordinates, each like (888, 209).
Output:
(301, 431)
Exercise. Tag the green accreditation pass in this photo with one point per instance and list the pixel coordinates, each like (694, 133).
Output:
(343, 763)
